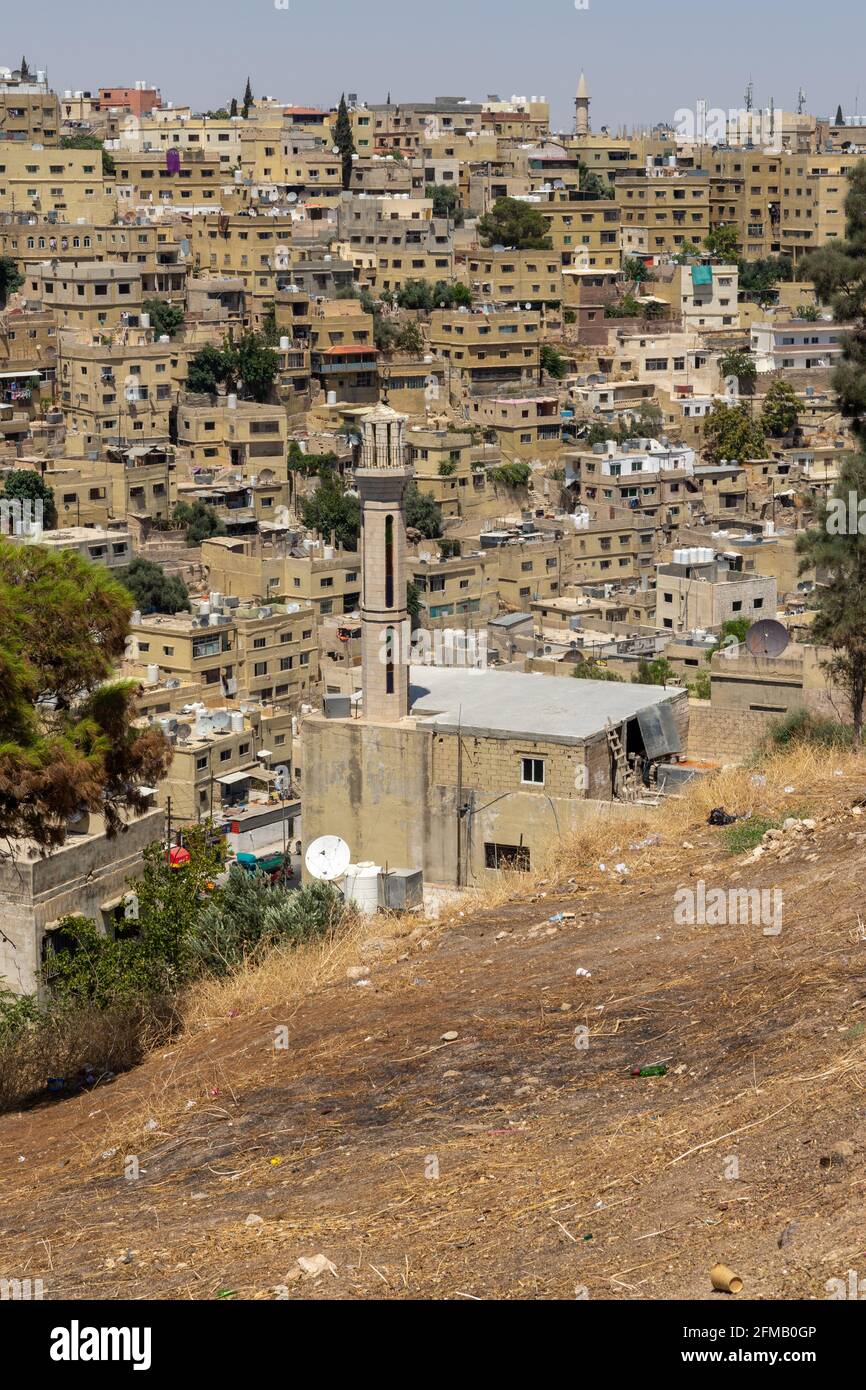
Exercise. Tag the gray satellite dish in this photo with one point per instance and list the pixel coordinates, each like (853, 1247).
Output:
(183, 732)
(291, 197)
(767, 638)
(328, 858)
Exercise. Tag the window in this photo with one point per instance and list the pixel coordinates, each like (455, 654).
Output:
(515, 857)
(532, 772)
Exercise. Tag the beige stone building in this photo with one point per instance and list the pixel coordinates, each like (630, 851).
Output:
(120, 394)
(87, 876)
(696, 591)
(41, 180)
(488, 348)
(459, 592)
(515, 277)
(525, 427)
(93, 298)
(316, 573)
(278, 656)
(29, 110)
(673, 207)
(244, 435)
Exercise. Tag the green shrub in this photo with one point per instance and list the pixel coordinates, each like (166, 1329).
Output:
(251, 914)
(801, 727)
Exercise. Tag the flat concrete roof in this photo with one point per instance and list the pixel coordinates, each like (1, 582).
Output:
(506, 704)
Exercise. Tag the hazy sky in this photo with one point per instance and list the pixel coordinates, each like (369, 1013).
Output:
(643, 58)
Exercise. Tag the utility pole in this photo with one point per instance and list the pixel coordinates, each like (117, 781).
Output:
(459, 803)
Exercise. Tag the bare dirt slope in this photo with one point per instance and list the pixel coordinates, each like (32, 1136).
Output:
(557, 1171)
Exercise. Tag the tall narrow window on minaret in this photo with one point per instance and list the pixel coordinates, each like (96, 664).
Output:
(389, 562)
(389, 659)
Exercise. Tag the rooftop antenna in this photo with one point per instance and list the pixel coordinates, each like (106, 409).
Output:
(750, 95)
(801, 101)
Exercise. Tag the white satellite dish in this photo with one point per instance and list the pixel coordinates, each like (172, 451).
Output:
(328, 858)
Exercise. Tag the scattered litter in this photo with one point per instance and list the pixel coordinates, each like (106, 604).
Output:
(621, 869)
(602, 868)
(583, 974)
(357, 972)
(650, 1071)
(151, 1124)
(758, 780)
(108, 1153)
(838, 772)
(311, 1267)
(450, 1037)
(254, 1220)
(838, 1154)
(724, 1280)
(647, 843)
(720, 817)
(789, 791)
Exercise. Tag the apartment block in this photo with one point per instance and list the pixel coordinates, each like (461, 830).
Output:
(584, 231)
(516, 277)
(142, 178)
(29, 110)
(250, 249)
(315, 574)
(461, 591)
(343, 355)
(278, 656)
(244, 435)
(68, 183)
(117, 394)
(698, 591)
(95, 298)
(489, 348)
(673, 208)
(523, 426)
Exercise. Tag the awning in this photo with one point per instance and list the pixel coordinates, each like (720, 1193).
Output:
(702, 275)
(19, 376)
(252, 774)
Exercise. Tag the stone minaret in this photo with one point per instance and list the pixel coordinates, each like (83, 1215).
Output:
(382, 478)
(581, 108)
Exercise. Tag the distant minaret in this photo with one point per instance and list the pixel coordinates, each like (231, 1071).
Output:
(382, 479)
(581, 108)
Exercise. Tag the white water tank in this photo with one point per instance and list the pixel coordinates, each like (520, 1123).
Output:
(332, 398)
(237, 722)
(144, 320)
(284, 344)
(361, 887)
(153, 675)
(232, 402)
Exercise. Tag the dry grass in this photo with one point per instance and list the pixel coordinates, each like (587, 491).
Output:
(813, 773)
(289, 974)
(61, 1044)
